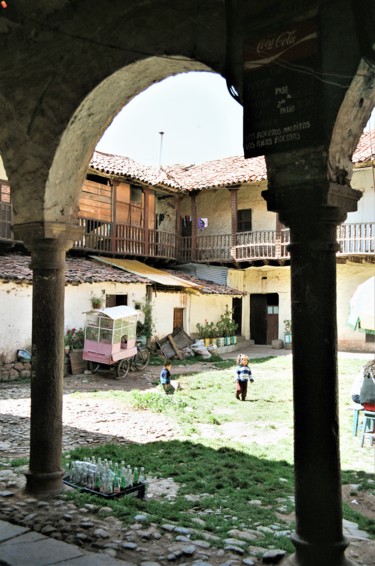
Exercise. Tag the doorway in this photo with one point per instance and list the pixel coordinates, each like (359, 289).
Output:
(237, 314)
(178, 318)
(264, 317)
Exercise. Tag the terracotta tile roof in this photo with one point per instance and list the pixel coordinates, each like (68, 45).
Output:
(207, 287)
(78, 270)
(365, 149)
(219, 173)
(119, 165)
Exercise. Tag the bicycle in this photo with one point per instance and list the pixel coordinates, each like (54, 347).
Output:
(136, 363)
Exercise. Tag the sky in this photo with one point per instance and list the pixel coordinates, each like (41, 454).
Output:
(199, 118)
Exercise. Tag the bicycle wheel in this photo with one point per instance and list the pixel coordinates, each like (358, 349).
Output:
(93, 367)
(123, 368)
(141, 358)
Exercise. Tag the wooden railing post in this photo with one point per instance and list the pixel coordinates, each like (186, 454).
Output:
(178, 239)
(233, 212)
(113, 236)
(194, 221)
(146, 224)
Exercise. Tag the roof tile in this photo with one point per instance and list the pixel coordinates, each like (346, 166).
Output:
(211, 174)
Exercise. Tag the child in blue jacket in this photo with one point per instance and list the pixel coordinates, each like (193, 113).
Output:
(165, 378)
(243, 376)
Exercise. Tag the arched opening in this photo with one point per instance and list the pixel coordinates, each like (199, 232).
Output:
(90, 121)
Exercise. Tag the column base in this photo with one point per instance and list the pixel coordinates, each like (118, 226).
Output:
(318, 554)
(43, 484)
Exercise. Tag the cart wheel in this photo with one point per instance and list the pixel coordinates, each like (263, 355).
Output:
(141, 358)
(123, 368)
(93, 367)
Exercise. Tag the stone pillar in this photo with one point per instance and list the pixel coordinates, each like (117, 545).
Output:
(48, 243)
(313, 213)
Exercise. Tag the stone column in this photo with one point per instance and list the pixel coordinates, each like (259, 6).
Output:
(48, 244)
(313, 213)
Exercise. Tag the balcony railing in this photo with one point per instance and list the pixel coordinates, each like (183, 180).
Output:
(5, 221)
(120, 239)
(356, 238)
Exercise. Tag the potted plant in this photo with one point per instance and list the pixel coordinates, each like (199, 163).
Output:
(288, 334)
(141, 332)
(97, 301)
(225, 322)
(148, 323)
(220, 333)
(204, 332)
(232, 330)
(213, 333)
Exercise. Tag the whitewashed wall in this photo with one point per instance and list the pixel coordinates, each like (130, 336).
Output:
(163, 305)
(207, 307)
(167, 206)
(15, 319)
(16, 310)
(215, 205)
(3, 175)
(268, 279)
(197, 308)
(77, 298)
(363, 180)
(349, 276)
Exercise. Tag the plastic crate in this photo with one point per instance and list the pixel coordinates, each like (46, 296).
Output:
(137, 490)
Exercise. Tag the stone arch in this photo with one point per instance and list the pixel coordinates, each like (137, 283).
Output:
(89, 122)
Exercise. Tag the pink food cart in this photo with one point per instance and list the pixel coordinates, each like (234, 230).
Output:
(110, 337)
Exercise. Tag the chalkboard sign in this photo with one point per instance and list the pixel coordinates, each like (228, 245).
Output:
(282, 90)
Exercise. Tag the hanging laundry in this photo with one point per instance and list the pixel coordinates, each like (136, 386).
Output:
(202, 223)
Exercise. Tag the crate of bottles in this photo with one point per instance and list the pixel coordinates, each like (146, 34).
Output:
(137, 490)
(104, 479)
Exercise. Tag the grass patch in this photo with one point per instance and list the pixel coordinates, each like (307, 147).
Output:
(224, 480)
(235, 453)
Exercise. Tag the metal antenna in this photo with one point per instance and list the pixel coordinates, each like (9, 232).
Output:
(161, 147)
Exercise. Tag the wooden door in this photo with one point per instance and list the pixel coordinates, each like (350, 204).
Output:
(264, 318)
(258, 318)
(272, 323)
(178, 318)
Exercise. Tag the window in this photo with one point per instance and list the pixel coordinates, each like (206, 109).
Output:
(244, 220)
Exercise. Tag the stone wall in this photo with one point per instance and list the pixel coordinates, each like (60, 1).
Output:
(14, 371)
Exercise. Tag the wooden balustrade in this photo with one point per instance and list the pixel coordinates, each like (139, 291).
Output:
(214, 248)
(256, 245)
(162, 244)
(356, 238)
(5, 221)
(119, 239)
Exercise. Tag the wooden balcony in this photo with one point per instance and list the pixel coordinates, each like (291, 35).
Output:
(262, 245)
(120, 239)
(355, 240)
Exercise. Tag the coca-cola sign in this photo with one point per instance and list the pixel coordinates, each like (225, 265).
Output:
(281, 89)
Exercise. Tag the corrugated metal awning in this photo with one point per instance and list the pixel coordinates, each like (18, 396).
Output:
(156, 275)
